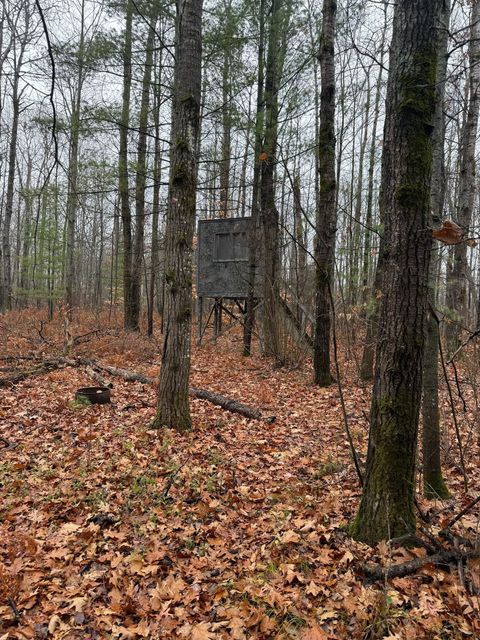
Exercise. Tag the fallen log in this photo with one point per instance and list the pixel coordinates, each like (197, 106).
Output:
(130, 376)
(227, 403)
(21, 374)
(98, 377)
(95, 369)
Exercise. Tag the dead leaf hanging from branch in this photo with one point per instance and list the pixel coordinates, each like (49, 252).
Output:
(451, 233)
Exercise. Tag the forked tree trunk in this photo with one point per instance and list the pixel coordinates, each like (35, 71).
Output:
(387, 505)
(326, 213)
(173, 407)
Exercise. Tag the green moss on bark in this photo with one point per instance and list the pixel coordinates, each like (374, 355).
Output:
(434, 487)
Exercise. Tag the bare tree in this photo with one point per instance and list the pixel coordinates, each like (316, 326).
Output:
(387, 505)
(326, 213)
(173, 408)
(457, 300)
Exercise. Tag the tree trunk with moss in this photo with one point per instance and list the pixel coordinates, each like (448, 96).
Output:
(173, 407)
(387, 505)
(434, 486)
(326, 218)
(433, 483)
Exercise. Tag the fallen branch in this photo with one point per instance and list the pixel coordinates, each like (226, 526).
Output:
(85, 337)
(95, 368)
(228, 404)
(8, 444)
(130, 376)
(171, 478)
(451, 557)
(19, 375)
(377, 572)
(469, 506)
(13, 607)
(98, 377)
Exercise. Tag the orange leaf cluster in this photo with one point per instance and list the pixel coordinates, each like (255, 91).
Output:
(451, 233)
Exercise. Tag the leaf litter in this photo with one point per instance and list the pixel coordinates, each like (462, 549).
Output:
(249, 541)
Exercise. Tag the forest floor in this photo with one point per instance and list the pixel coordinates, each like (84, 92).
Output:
(109, 529)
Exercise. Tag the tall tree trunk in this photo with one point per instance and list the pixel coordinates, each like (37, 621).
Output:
(141, 179)
(457, 276)
(173, 407)
(125, 211)
(299, 251)
(254, 234)
(433, 482)
(387, 505)
(368, 354)
(269, 212)
(326, 218)
(27, 235)
(6, 269)
(6, 288)
(72, 197)
(157, 173)
(226, 121)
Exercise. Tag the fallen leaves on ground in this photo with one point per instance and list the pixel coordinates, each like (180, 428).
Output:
(250, 540)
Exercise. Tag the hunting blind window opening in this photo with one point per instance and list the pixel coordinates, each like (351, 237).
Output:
(230, 247)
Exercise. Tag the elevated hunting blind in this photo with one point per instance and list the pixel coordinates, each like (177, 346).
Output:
(223, 269)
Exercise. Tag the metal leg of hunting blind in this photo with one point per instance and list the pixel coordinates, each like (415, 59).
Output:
(200, 319)
(205, 326)
(231, 314)
(217, 319)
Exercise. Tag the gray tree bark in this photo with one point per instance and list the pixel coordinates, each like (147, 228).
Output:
(141, 180)
(6, 270)
(387, 505)
(173, 407)
(457, 275)
(326, 213)
(269, 214)
(72, 196)
(125, 211)
(254, 236)
(433, 483)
